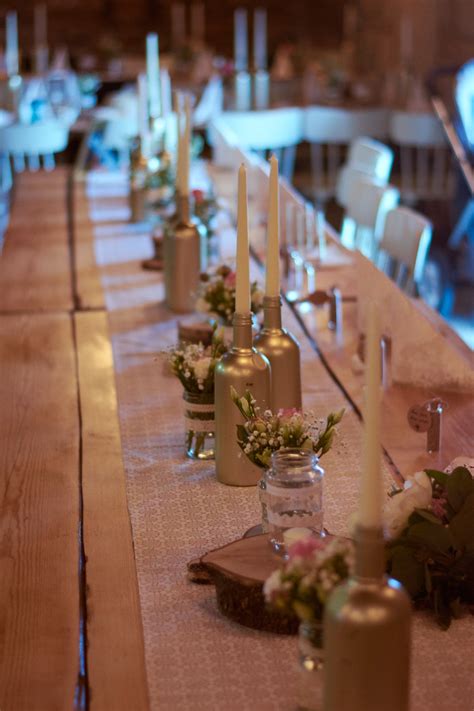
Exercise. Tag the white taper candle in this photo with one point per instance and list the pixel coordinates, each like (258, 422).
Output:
(240, 40)
(370, 506)
(11, 44)
(186, 145)
(272, 282)
(153, 74)
(242, 286)
(260, 39)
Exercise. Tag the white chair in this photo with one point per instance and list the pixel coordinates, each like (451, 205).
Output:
(368, 157)
(329, 131)
(404, 247)
(210, 104)
(424, 156)
(367, 206)
(278, 131)
(38, 142)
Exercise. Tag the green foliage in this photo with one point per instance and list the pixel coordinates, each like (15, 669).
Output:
(434, 556)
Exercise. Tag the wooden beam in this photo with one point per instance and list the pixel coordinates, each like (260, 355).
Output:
(39, 513)
(115, 656)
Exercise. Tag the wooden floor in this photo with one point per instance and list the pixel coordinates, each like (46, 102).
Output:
(70, 623)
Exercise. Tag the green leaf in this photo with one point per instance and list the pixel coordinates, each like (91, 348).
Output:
(241, 433)
(409, 571)
(459, 486)
(436, 537)
(440, 477)
(462, 525)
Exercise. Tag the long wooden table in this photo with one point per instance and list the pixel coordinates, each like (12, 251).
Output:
(81, 561)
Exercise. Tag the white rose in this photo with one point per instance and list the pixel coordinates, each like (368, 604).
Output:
(201, 368)
(416, 494)
(272, 584)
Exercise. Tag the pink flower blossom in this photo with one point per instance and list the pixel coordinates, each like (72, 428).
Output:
(230, 279)
(305, 547)
(198, 196)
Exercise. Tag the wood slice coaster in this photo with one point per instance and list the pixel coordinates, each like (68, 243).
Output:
(238, 570)
(195, 332)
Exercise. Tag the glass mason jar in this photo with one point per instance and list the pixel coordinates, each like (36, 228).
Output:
(199, 422)
(311, 658)
(293, 494)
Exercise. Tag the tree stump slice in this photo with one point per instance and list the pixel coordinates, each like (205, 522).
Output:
(238, 570)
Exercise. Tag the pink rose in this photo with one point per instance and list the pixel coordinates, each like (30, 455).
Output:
(198, 196)
(230, 279)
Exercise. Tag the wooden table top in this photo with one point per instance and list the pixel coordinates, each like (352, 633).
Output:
(71, 625)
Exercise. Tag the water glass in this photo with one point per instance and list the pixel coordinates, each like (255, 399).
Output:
(293, 494)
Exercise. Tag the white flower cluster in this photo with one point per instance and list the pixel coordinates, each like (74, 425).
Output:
(193, 365)
(417, 493)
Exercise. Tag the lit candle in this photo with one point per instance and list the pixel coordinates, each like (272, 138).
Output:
(272, 282)
(186, 145)
(240, 40)
(370, 507)
(153, 74)
(242, 286)
(260, 39)
(11, 51)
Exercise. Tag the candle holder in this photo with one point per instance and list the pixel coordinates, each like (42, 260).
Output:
(138, 177)
(184, 256)
(283, 351)
(243, 368)
(367, 635)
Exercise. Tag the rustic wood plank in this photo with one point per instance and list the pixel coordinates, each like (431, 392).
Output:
(116, 660)
(35, 272)
(406, 447)
(89, 291)
(39, 513)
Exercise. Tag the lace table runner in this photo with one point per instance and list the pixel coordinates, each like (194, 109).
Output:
(196, 659)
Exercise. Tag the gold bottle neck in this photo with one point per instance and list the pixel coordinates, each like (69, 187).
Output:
(272, 313)
(243, 338)
(370, 555)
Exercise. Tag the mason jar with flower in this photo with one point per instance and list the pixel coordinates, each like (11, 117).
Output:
(194, 366)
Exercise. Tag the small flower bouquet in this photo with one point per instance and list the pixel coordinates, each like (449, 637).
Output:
(194, 366)
(205, 209)
(262, 434)
(430, 524)
(306, 579)
(217, 295)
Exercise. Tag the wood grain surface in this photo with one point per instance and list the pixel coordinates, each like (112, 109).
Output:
(35, 270)
(116, 664)
(39, 513)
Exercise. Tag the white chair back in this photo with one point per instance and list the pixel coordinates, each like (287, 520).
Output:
(367, 207)
(211, 102)
(37, 141)
(329, 130)
(425, 163)
(278, 131)
(368, 157)
(404, 246)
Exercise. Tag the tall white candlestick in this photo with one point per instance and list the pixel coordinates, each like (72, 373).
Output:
(272, 282)
(153, 74)
(179, 144)
(370, 506)
(198, 22)
(242, 286)
(260, 39)
(186, 145)
(11, 50)
(240, 40)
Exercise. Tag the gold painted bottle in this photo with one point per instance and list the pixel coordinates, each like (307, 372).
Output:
(367, 632)
(185, 257)
(243, 368)
(283, 352)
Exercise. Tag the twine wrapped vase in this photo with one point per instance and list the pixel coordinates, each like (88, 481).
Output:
(199, 425)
